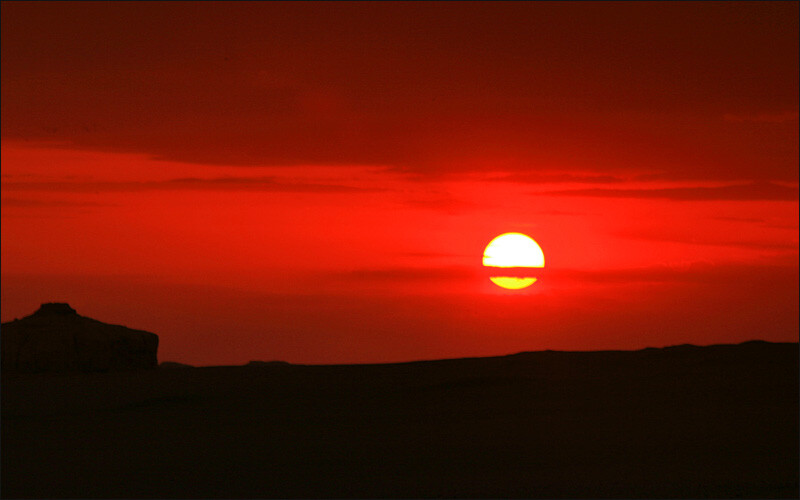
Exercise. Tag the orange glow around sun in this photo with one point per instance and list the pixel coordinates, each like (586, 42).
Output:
(513, 250)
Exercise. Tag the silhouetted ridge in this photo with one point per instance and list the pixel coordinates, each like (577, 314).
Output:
(173, 364)
(268, 363)
(715, 421)
(55, 309)
(57, 339)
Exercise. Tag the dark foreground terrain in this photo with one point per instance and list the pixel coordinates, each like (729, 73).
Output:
(718, 421)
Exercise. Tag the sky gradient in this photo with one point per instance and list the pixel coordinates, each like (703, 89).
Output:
(316, 182)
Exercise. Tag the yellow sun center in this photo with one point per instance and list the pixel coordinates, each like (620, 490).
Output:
(513, 250)
(512, 283)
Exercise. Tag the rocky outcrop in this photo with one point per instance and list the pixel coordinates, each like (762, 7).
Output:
(57, 339)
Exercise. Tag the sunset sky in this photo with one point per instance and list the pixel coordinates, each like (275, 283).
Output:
(316, 182)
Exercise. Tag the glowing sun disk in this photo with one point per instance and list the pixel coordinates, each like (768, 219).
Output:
(512, 283)
(513, 250)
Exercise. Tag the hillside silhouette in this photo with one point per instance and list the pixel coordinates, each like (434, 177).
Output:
(683, 421)
(56, 338)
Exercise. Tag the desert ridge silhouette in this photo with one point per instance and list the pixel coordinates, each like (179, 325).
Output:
(686, 421)
(57, 339)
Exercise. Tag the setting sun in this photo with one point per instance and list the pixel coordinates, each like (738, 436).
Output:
(513, 250)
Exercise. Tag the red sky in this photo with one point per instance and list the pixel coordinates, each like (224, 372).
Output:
(316, 182)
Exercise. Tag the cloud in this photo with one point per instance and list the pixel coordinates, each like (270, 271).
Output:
(29, 203)
(445, 204)
(740, 192)
(708, 240)
(561, 213)
(407, 274)
(558, 177)
(258, 184)
(428, 255)
(695, 273)
(274, 84)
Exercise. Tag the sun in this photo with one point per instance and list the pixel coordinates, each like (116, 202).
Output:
(513, 255)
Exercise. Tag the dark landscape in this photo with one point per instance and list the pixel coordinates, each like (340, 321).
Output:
(682, 421)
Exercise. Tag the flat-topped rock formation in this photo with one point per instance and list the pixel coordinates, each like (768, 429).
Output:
(57, 339)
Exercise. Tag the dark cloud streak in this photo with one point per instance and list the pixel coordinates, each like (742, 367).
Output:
(417, 86)
(266, 184)
(697, 273)
(754, 191)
